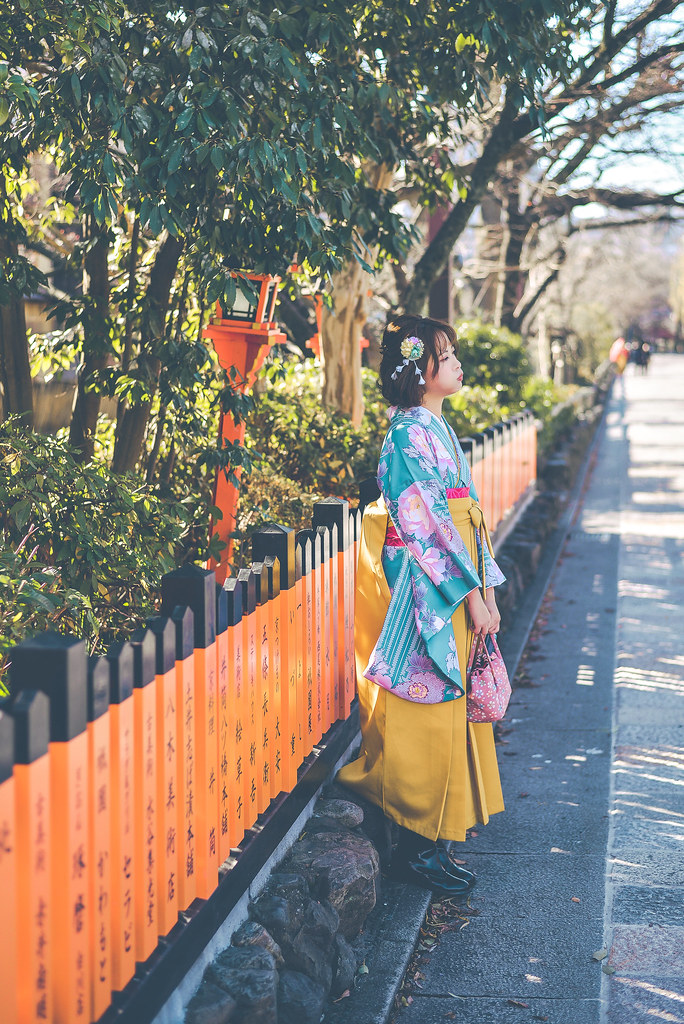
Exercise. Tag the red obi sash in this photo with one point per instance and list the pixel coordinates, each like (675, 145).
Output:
(392, 538)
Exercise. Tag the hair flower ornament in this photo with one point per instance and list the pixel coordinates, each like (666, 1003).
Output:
(411, 349)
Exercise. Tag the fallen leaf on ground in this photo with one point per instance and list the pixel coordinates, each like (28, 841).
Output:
(575, 899)
(600, 954)
(516, 1002)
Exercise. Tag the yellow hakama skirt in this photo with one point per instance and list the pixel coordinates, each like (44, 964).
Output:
(425, 765)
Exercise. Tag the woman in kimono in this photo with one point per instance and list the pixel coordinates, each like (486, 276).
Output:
(420, 601)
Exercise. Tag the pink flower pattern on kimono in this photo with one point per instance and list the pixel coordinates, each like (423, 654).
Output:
(434, 563)
(420, 448)
(418, 690)
(428, 621)
(446, 460)
(425, 684)
(452, 656)
(413, 514)
(381, 673)
(383, 465)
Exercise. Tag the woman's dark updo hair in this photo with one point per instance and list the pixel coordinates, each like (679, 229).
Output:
(406, 390)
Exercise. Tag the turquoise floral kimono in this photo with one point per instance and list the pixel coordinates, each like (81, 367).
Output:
(432, 573)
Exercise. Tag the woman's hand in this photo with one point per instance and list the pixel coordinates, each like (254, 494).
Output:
(480, 617)
(495, 615)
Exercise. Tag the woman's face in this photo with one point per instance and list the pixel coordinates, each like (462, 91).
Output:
(447, 378)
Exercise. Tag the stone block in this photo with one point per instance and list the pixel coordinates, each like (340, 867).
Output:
(211, 1005)
(251, 933)
(303, 928)
(341, 867)
(375, 825)
(249, 976)
(281, 905)
(526, 555)
(300, 999)
(337, 813)
(344, 966)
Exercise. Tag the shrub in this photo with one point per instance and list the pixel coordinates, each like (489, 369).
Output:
(302, 440)
(84, 550)
(494, 359)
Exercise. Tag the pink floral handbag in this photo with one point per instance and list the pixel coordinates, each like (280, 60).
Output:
(488, 689)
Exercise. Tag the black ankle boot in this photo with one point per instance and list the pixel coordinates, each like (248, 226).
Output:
(421, 862)
(454, 869)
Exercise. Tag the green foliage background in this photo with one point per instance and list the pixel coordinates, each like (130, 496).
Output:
(83, 551)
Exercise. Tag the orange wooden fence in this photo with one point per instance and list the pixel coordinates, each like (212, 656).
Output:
(126, 780)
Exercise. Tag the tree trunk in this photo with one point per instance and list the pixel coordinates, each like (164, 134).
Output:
(536, 290)
(435, 257)
(342, 328)
(129, 441)
(15, 369)
(95, 348)
(512, 277)
(543, 348)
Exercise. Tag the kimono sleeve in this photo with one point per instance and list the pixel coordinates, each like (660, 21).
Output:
(442, 572)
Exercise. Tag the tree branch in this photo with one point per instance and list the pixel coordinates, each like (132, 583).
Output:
(435, 257)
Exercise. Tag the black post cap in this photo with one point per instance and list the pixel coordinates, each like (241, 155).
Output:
(247, 584)
(164, 643)
(233, 591)
(6, 746)
(333, 512)
(306, 548)
(368, 491)
(272, 567)
(98, 687)
(195, 587)
(55, 664)
(183, 621)
(144, 646)
(221, 610)
(260, 577)
(120, 659)
(30, 710)
(470, 449)
(278, 541)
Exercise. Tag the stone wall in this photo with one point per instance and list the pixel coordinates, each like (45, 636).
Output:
(294, 952)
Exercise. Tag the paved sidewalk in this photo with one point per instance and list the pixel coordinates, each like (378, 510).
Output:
(590, 851)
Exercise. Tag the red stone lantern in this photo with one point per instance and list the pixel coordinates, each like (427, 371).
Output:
(241, 339)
